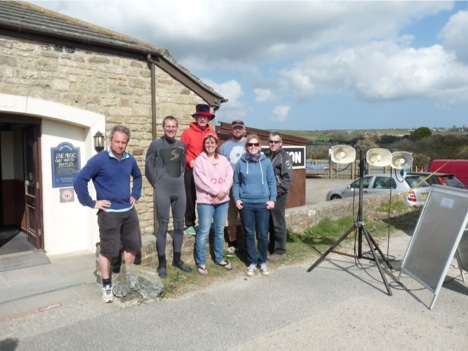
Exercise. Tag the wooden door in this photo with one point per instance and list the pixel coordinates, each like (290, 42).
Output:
(32, 185)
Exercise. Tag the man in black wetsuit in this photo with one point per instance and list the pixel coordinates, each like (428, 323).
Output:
(164, 169)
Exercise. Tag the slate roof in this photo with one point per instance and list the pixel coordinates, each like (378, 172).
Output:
(29, 18)
(21, 16)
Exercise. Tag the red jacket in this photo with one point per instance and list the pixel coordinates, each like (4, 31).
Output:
(193, 138)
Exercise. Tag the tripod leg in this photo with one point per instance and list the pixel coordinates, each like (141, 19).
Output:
(331, 248)
(380, 251)
(370, 242)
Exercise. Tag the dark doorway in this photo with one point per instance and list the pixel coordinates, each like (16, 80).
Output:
(20, 180)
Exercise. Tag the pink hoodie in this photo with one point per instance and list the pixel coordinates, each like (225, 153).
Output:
(210, 178)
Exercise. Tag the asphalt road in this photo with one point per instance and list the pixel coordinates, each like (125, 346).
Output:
(340, 305)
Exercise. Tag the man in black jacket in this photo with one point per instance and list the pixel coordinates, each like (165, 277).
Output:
(282, 166)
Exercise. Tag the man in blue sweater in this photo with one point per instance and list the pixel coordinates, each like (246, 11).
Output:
(118, 222)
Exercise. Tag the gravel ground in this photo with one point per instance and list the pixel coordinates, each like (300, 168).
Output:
(317, 188)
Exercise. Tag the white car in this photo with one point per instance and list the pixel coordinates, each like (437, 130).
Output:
(381, 183)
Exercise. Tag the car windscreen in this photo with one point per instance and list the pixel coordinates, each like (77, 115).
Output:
(451, 181)
(384, 183)
(414, 181)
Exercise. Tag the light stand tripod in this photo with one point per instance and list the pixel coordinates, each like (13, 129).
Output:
(359, 225)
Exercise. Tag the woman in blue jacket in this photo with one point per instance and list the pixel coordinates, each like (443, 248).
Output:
(254, 192)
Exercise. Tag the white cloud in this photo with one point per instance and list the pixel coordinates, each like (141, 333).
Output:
(380, 71)
(209, 34)
(454, 35)
(233, 108)
(280, 113)
(264, 95)
(283, 51)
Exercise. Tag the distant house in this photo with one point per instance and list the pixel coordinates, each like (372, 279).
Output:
(61, 82)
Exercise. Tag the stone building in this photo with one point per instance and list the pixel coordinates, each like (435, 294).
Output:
(62, 82)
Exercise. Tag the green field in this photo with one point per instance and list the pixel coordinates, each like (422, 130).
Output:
(328, 135)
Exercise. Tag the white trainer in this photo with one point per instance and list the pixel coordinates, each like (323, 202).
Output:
(107, 295)
(251, 270)
(264, 269)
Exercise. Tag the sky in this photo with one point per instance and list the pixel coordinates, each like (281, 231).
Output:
(309, 65)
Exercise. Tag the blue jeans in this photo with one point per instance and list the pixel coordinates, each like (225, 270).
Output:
(255, 218)
(206, 214)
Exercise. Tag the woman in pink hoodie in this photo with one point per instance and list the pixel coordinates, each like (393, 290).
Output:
(213, 177)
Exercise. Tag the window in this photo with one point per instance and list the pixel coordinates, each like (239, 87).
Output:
(384, 183)
(365, 183)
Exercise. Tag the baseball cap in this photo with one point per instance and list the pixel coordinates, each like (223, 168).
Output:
(237, 123)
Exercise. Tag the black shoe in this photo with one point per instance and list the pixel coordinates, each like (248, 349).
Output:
(162, 272)
(182, 266)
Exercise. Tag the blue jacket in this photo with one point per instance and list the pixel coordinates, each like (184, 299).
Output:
(254, 181)
(111, 179)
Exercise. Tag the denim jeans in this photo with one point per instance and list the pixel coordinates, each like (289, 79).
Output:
(206, 214)
(255, 219)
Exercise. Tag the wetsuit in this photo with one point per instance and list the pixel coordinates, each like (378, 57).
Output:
(164, 169)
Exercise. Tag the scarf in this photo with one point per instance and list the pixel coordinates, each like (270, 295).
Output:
(252, 158)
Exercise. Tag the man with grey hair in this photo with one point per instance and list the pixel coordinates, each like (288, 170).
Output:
(282, 166)
(118, 221)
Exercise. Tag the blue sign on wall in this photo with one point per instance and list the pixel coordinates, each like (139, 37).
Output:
(65, 164)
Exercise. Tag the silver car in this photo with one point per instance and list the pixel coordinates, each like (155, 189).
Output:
(381, 183)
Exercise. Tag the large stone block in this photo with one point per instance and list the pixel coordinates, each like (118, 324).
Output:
(137, 282)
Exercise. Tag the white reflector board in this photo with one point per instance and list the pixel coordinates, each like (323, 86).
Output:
(436, 237)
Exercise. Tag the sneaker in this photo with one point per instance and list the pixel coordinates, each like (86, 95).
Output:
(264, 269)
(191, 230)
(251, 270)
(231, 251)
(107, 295)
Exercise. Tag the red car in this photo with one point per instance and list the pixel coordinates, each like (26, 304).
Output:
(440, 179)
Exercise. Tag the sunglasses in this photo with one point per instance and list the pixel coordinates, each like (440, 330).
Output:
(274, 141)
(253, 144)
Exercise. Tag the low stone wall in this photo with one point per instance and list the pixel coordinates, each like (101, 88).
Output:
(298, 220)
(149, 256)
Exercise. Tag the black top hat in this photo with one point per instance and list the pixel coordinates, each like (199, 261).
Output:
(203, 110)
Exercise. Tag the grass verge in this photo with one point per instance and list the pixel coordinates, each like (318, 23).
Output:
(301, 247)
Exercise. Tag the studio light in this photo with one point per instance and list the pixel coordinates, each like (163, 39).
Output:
(401, 159)
(342, 154)
(379, 157)
(347, 154)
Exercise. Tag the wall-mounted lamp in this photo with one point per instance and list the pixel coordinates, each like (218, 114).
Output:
(98, 141)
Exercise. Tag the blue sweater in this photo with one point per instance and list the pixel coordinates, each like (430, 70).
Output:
(254, 181)
(111, 179)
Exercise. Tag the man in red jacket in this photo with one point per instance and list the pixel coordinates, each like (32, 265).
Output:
(193, 138)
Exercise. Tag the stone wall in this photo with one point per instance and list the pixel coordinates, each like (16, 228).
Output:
(298, 220)
(117, 87)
